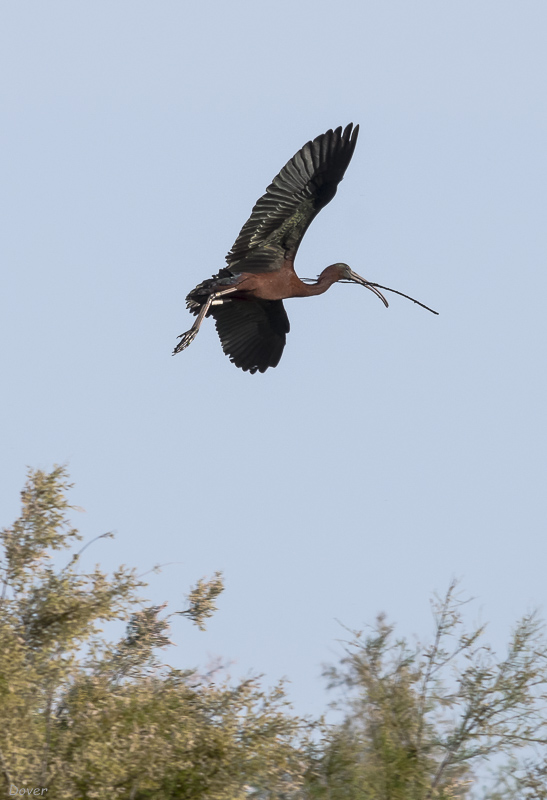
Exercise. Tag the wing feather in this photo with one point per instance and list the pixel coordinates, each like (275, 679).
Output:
(280, 218)
(252, 332)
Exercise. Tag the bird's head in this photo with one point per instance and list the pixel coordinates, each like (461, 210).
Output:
(347, 275)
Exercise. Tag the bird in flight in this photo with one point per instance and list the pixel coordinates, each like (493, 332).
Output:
(246, 297)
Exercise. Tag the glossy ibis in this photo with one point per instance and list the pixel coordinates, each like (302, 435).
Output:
(245, 298)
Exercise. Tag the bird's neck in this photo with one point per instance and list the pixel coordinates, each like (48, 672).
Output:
(323, 282)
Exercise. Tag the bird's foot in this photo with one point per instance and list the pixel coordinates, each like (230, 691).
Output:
(185, 339)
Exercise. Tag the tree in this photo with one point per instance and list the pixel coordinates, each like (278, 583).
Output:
(419, 720)
(88, 718)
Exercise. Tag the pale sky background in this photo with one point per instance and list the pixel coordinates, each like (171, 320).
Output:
(390, 450)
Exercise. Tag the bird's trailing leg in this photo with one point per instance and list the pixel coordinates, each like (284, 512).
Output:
(188, 337)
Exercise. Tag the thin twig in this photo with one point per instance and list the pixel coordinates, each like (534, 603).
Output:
(158, 567)
(447, 760)
(45, 759)
(387, 289)
(427, 677)
(76, 556)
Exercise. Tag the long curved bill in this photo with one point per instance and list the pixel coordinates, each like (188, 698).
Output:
(358, 279)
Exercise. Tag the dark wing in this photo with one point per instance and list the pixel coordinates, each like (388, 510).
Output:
(252, 332)
(281, 217)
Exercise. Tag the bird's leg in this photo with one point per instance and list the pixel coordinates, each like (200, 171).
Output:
(188, 337)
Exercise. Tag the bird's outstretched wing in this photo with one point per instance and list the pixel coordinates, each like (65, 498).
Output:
(252, 332)
(281, 217)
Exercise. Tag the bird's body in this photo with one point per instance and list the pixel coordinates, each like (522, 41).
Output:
(245, 297)
(278, 285)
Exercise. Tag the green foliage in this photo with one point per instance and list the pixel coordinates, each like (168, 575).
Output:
(419, 720)
(88, 718)
(202, 600)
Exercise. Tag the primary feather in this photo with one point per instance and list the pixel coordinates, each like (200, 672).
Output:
(282, 215)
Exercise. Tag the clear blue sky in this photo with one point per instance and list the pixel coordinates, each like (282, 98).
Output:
(390, 450)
